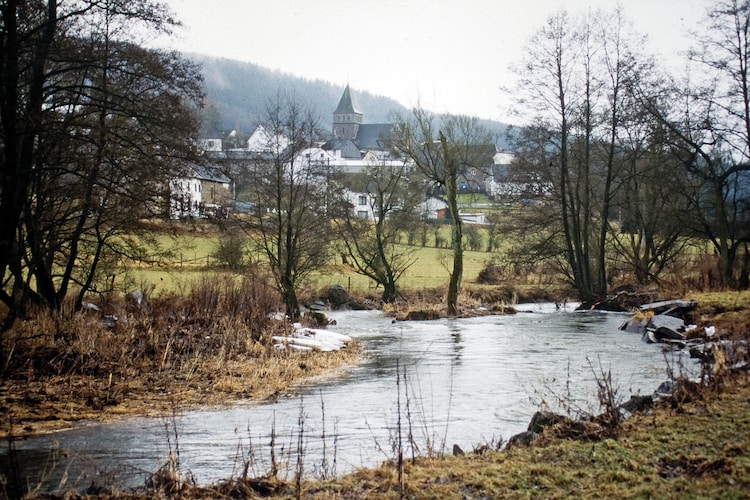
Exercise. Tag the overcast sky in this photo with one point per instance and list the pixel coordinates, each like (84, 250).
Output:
(448, 55)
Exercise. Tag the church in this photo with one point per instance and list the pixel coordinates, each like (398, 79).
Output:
(353, 139)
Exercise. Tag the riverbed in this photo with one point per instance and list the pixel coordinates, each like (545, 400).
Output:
(421, 387)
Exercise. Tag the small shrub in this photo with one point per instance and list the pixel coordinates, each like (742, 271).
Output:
(492, 273)
(231, 252)
(473, 238)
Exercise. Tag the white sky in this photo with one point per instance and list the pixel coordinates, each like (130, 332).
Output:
(448, 55)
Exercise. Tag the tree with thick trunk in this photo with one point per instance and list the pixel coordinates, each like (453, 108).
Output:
(103, 127)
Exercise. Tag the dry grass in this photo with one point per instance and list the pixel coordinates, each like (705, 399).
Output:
(427, 304)
(207, 347)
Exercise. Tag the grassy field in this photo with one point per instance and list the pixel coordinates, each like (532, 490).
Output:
(190, 256)
(430, 270)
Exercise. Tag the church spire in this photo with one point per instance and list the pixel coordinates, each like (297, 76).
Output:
(346, 118)
(347, 104)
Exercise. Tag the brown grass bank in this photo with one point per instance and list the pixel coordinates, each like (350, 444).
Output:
(146, 355)
(697, 449)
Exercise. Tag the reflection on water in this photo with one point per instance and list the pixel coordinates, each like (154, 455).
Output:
(464, 381)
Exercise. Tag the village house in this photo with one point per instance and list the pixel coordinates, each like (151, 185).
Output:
(355, 147)
(203, 192)
(508, 186)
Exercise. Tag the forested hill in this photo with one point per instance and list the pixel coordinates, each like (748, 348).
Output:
(237, 94)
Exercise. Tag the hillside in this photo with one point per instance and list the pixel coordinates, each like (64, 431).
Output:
(237, 93)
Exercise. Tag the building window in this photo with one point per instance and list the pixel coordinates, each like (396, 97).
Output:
(362, 199)
(362, 214)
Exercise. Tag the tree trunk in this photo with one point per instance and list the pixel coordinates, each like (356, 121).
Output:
(21, 123)
(451, 193)
(389, 293)
(290, 301)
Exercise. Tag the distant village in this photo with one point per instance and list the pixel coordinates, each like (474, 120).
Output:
(207, 191)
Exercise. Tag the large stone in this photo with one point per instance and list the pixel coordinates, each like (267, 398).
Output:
(636, 324)
(521, 440)
(674, 307)
(638, 403)
(665, 334)
(664, 321)
(337, 296)
(664, 390)
(542, 419)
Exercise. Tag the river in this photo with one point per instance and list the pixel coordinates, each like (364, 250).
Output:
(454, 381)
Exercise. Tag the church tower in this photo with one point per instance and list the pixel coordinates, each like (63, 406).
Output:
(347, 118)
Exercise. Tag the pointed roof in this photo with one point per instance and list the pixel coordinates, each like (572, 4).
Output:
(347, 104)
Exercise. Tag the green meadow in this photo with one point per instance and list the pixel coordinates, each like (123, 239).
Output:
(188, 255)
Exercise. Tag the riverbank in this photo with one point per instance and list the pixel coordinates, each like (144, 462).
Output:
(153, 356)
(699, 448)
(727, 311)
(60, 402)
(149, 356)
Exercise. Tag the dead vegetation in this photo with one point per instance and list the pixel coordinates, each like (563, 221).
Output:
(147, 355)
(429, 304)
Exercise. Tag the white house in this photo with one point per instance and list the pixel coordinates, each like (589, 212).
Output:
(502, 184)
(433, 208)
(212, 145)
(260, 141)
(203, 192)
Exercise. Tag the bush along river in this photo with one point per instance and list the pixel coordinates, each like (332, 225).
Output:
(437, 383)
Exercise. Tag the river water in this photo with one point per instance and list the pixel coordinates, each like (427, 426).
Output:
(455, 381)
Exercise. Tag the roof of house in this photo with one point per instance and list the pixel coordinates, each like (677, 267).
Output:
(207, 173)
(373, 135)
(347, 147)
(347, 104)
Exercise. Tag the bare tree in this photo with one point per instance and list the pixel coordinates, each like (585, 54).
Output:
(574, 83)
(443, 152)
(116, 122)
(651, 202)
(290, 191)
(27, 36)
(392, 193)
(709, 113)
